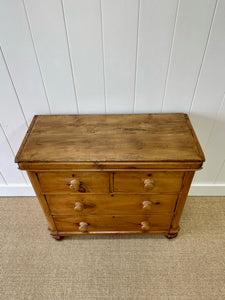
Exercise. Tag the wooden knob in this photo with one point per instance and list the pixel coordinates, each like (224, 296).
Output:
(147, 205)
(74, 185)
(83, 226)
(149, 184)
(145, 225)
(79, 206)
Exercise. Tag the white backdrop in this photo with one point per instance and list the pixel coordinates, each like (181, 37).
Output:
(113, 56)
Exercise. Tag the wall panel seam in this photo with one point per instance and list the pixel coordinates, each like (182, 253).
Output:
(3, 178)
(136, 58)
(210, 134)
(7, 140)
(219, 171)
(70, 55)
(14, 88)
(170, 53)
(204, 55)
(36, 54)
(214, 122)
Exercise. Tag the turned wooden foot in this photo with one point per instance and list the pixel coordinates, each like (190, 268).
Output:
(57, 237)
(171, 235)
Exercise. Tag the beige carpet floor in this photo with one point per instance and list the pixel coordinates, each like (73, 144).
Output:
(34, 266)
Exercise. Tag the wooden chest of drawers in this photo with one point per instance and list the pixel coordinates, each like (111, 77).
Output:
(111, 174)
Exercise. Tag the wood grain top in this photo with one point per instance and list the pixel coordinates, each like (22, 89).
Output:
(110, 138)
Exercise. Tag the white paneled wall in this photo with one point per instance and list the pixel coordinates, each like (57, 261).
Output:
(21, 59)
(121, 56)
(84, 31)
(47, 27)
(190, 38)
(120, 26)
(155, 38)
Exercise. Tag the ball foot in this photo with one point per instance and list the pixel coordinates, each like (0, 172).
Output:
(170, 236)
(57, 237)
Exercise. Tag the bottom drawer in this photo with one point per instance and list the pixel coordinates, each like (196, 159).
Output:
(116, 223)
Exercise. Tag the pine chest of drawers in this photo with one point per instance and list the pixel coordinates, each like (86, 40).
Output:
(111, 174)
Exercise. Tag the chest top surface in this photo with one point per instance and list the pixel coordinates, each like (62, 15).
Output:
(110, 138)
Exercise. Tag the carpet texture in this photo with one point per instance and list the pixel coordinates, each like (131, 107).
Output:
(34, 266)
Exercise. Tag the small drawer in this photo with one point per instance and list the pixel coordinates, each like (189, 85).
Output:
(74, 182)
(111, 204)
(148, 182)
(115, 223)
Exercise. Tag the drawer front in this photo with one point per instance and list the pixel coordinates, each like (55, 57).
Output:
(74, 182)
(91, 224)
(110, 204)
(148, 182)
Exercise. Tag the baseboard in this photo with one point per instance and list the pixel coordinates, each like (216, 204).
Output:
(16, 190)
(207, 190)
(195, 190)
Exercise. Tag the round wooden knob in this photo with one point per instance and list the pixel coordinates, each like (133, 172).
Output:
(83, 226)
(149, 184)
(74, 185)
(145, 225)
(147, 205)
(79, 206)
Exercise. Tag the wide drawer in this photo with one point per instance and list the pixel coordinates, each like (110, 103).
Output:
(74, 182)
(110, 204)
(148, 182)
(115, 223)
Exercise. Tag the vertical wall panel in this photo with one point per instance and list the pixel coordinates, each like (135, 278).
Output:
(83, 19)
(7, 166)
(48, 30)
(120, 22)
(11, 116)
(211, 85)
(215, 149)
(157, 20)
(192, 29)
(18, 50)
